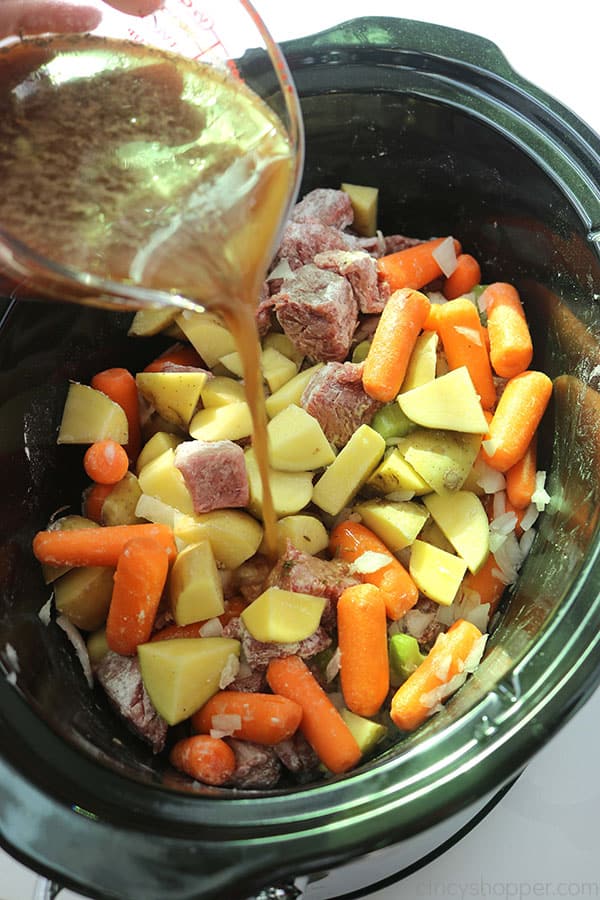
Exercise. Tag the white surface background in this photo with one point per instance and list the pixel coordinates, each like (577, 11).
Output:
(541, 841)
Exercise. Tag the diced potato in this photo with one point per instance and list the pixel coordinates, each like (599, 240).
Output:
(156, 446)
(174, 395)
(422, 363)
(442, 458)
(285, 345)
(83, 595)
(284, 617)
(66, 523)
(463, 520)
(181, 674)
(233, 362)
(297, 442)
(222, 423)
(160, 478)
(433, 534)
(221, 390)
(449, 402)
(207, 334)
(349, 471)
(365, 732)
(291, 491)
(436, 573)
(306, 533)
(364, 205)
(90, 416)
(397, 524)
(277, 368)
(195, 589)
(395, 474)
(291, 392)
(119, 507)
(147, 322)
(97, 646)
(155, 424)
(233, 534)
(154, 510)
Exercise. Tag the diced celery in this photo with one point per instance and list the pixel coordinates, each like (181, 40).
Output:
(390, 422)
(359, 354)
(405, 655)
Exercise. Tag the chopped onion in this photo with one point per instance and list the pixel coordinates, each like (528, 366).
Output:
(445, 256)
(436, 297)
(230, 671)
(281, 270)
(446, 615)
(212, 628)
(370, 561)
(499, 504)
(540, 496)
(416, 622)
(399, 496)
(79, 645)
(504, 523)
(489, 480)
(529, 517)
(490, 446)
(45, 611)
(526, 541)
(509, 559)
(12, 657)
(11, 677)
(470, 334)
(479, 616)
(433, 699)
(474, 657)
(483, 302)
(469, 599)
(154, 510)
(333, 666)
(441, 666)
(496, 540)
(224, 725)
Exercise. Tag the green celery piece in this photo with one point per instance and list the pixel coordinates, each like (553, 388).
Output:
(390, 422)
(359, 354)
(405, 655)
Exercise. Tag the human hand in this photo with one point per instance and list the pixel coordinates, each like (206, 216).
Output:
(33, 17)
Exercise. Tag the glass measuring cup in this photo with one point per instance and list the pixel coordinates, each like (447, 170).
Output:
(178, 197)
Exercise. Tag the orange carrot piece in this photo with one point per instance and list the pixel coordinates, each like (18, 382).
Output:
(487, 584)
(464, 345)
(204, 758)
(409, 705)
(321, 724)
(105, 462)
(414, 267)
(520, 478)
(140, 578)
(93, 501)
(517, 416)
(464, 278)
(179, 355)
(263, 718)
(432, 322)
(401, 321)
(362, 637)
(511, 348)
(77, 548)
(120, 386)
(349, 540)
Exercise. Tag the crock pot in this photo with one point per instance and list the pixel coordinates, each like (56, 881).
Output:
(458, 143)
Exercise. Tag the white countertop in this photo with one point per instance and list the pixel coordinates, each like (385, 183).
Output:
(541, 840)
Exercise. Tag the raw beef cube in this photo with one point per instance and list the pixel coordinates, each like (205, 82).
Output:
(317, 310)
(298, 757)
(337, 400)
(326, 206)
(257, 766)
(302, 241)
(215, 474)
(258, 654)
(361, 271)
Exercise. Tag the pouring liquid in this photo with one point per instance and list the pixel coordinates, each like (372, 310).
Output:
(144, 168)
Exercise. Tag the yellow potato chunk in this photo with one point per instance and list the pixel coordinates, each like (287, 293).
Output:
(97, 646)
(195, 589)
(436, 573)
(174, 395)
(233, 534)
(349, 471)
(154, 510)
(120, 505)
(147, 322)
(422, 363)
(221, 390)
(297, 442)
(285, 345)
(162, 479)
(464, 522)
(443, 459)
(395, 474)
(364, 205)
(222, 423)
(66, 523)
(207, 334)
(306, 533)
(90, 416)
(83, 595)
(365, 732)
(290, 491)
(277, 368)
(291, 392)
(397, 524)
(448, 402)
(181, 674)
(283, 617)
(155, 446)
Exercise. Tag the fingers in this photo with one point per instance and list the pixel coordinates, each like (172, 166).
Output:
(33, 17)
(136, 7)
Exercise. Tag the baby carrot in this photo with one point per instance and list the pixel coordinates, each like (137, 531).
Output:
(263, 718)
(75, 548)
(432, 322)
(321, 723)
(461, 334)
(120, 386)
(140, 578)
(414, 267)
(485, 583)
(511, 349)
(178, 354)
(517, 416)
(401, 321)
(349, 540)
(520, 478)
(362, 637)
(464, 278)
(413, 701)
(93, 501)
(105, 462)
(204, 758)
